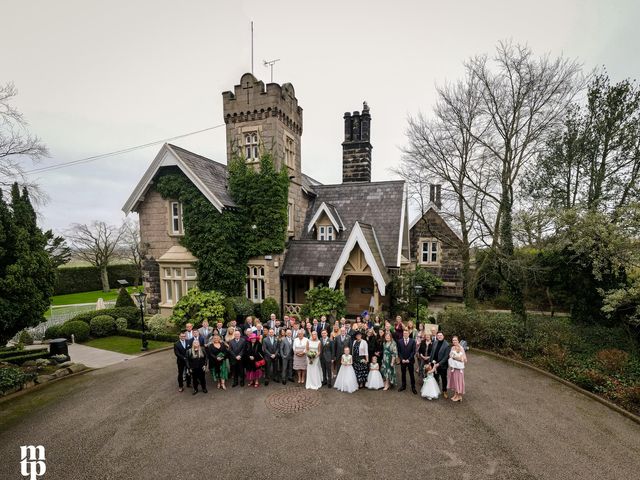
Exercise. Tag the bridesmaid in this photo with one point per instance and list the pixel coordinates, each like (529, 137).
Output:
(457, 361)
(389, 358)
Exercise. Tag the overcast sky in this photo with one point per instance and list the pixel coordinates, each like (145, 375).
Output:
(95, 76)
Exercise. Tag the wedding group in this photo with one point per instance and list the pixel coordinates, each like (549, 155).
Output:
(344, 355)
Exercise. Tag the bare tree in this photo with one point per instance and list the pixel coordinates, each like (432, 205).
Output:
(97, 244)
(522, 100)
(134, 248)
(16, 145)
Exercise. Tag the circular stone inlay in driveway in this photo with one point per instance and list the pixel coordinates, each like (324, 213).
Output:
(292, 400)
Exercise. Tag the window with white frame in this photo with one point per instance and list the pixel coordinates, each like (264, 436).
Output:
(290, 217)
(429, 251)
(289, 151)
(251, 146)
(176, 218)
(176, 281)
(255, 288)
(325, 232)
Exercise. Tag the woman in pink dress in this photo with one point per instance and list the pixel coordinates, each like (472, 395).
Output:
(455, 376)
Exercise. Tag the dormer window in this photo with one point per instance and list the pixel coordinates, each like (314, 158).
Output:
(325, 232)
(251, 146)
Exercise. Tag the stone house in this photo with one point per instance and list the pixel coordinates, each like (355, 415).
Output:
(435, 246)
(354, 235)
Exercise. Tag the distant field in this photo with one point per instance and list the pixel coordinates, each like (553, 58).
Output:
(86, 297)
(82, 263)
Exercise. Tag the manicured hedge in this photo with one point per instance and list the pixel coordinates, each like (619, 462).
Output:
(162, 337)
(102, 326)
(78, 329)
(54, 331)
(10, 352)
(132, 314)
(32, 355)
(87, 279)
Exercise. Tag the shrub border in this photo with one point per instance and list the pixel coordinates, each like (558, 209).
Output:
(575, 387)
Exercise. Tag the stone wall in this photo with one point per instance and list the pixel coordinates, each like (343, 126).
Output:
(151, 283)
(449, 269)
(154, 224)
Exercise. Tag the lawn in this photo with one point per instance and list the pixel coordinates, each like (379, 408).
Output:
(87, 297)
(126, 345)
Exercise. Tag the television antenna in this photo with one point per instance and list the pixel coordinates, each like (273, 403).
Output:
(271, 63)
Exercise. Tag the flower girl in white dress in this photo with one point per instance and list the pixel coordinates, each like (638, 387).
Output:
(346, 380)
(374, 380)
(430, 388)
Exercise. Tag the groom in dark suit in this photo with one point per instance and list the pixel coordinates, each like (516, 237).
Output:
(406, 353)
(326, 358)
(440, 358)
(180, 351)
(339, 342)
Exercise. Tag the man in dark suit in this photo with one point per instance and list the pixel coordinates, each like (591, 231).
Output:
(272, 322)
(440, 358)
(341, 341)
(270, 349)
(406, 353)
(322, 325)
(286, 355)
(180, 351)
(221, 330)
(326, 358)
(237, 347)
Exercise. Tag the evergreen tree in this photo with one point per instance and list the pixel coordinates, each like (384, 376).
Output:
(27, 274)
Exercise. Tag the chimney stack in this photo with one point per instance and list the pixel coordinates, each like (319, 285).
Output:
(435, 194)
(356, 148)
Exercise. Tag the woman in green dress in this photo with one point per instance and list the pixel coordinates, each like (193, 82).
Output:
(218, 360)
(389, 357)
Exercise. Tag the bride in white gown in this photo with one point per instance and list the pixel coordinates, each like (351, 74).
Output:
(314, 369)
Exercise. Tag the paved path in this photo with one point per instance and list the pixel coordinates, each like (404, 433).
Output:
(129, 422)
(95, 357)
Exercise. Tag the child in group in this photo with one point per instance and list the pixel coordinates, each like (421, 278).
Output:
(430, 388)
(346, 381)
(374, 380)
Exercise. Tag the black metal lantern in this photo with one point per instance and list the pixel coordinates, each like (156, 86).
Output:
(418, 290)
(140, 299)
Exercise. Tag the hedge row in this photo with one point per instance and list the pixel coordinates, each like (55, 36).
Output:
(20, 359)
(132, 314)
(16, 353)
(12, 377)
(161, 337)
(87, 279)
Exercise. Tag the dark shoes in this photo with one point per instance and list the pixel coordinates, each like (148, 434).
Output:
(242, 384)
(266, 382)
(204, 390)
(402, 389)
(235, 384)
(194, 392)
(284, 382)
(413, 389)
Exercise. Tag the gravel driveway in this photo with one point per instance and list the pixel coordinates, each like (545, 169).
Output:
(128, 421)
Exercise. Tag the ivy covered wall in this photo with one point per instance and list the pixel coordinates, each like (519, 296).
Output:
(223, 242)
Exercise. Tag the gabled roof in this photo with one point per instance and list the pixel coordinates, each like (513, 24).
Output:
(208, 176)
(312, 257)
(331, 212)
(365, 236)
(379, 204)
(435, 209)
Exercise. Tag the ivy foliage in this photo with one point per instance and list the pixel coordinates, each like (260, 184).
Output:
(223, 242)
(197, 306)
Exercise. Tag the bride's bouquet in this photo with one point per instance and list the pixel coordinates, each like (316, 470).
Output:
(311, 355)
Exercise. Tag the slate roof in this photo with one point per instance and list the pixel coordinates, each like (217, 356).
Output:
(312, 257)
(210, 172)
(378, 204)
(309, 183)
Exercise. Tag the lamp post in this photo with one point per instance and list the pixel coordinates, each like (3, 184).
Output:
(418, 290)
(140, 298)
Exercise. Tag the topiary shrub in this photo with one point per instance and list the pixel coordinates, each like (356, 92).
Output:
(132, 314)
(243, 307)
(25, 338)
(198, 305)
(324, 301)
(102, 326)
(79, 329)
(124, 299)
(269, 306)
(121, 323)
(158, 324)
(53, 332)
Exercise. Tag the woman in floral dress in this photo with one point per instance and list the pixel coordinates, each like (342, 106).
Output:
(389, 357)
